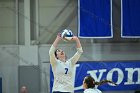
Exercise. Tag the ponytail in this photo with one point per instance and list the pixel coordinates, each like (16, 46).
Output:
(90, 82)
(105, 81)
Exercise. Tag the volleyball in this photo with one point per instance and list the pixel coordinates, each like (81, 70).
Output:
(67, 34)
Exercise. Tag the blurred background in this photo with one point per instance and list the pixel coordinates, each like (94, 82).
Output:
(29, 27)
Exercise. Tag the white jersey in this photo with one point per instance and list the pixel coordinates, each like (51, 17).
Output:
(92, 90)
(63, 71)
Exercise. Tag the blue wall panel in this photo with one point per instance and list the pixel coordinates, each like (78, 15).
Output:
(130, 19)
(95, 19)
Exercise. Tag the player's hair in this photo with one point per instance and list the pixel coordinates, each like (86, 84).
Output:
(90, 82)
(55, 53)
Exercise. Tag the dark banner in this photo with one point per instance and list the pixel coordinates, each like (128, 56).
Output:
(130, 19)
(125, 74)
(95, 19)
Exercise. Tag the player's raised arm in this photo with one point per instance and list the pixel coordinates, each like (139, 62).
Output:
(58, 38)
(77, 55)
(53, 48)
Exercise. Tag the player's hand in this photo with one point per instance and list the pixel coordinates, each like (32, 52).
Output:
(59, 36)
(75, 38)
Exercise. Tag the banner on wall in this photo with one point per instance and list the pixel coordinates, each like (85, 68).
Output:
(95, 19)
(125, 74)
(130, 27)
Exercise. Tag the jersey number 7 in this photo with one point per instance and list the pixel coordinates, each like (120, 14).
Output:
(66, 70)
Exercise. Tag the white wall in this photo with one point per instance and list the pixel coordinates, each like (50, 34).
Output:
(7, 23)
(9, 68)
(98, 52)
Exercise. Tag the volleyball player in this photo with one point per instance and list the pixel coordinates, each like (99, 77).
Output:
(62, 67)
(89, 84)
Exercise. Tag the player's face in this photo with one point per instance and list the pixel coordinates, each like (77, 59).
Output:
(60, 53)
(23, 89)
